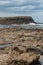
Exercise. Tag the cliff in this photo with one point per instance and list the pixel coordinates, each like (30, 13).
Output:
(16, 20)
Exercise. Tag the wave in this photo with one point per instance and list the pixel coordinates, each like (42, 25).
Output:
(32, 24)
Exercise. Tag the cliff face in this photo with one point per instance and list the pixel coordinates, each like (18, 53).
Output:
(16, 20)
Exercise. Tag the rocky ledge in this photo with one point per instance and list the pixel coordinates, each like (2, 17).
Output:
(20, 46)
(17, 56)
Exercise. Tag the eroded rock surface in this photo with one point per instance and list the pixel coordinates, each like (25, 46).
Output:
(20, 46)
(17, 56)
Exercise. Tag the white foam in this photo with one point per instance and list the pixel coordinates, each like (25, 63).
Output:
(32, 24)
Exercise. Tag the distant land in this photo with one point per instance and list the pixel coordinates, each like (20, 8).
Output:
(17, 20)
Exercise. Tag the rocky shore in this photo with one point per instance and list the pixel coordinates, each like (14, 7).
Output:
(20, 46)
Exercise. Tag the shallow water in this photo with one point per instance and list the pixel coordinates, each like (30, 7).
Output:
(8, 44)
(26, 26)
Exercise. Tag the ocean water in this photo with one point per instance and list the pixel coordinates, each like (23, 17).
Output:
(32, 26)
(26, 26)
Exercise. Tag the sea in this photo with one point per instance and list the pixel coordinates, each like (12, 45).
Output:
(25, 26)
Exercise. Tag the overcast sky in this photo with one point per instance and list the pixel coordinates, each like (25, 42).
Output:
(32, 8)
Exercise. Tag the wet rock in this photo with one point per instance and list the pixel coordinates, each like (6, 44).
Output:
(24, 59)
(40, 47)
(33, 49)
(20, 49)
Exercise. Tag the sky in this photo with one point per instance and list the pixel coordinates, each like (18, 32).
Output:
(32, 8)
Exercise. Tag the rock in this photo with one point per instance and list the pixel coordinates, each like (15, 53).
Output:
(22, 46)
(33, 49)
(17, 56)
(40, 47)
(20, 49)
(17, 20)
(24, 59)
(3, 59)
